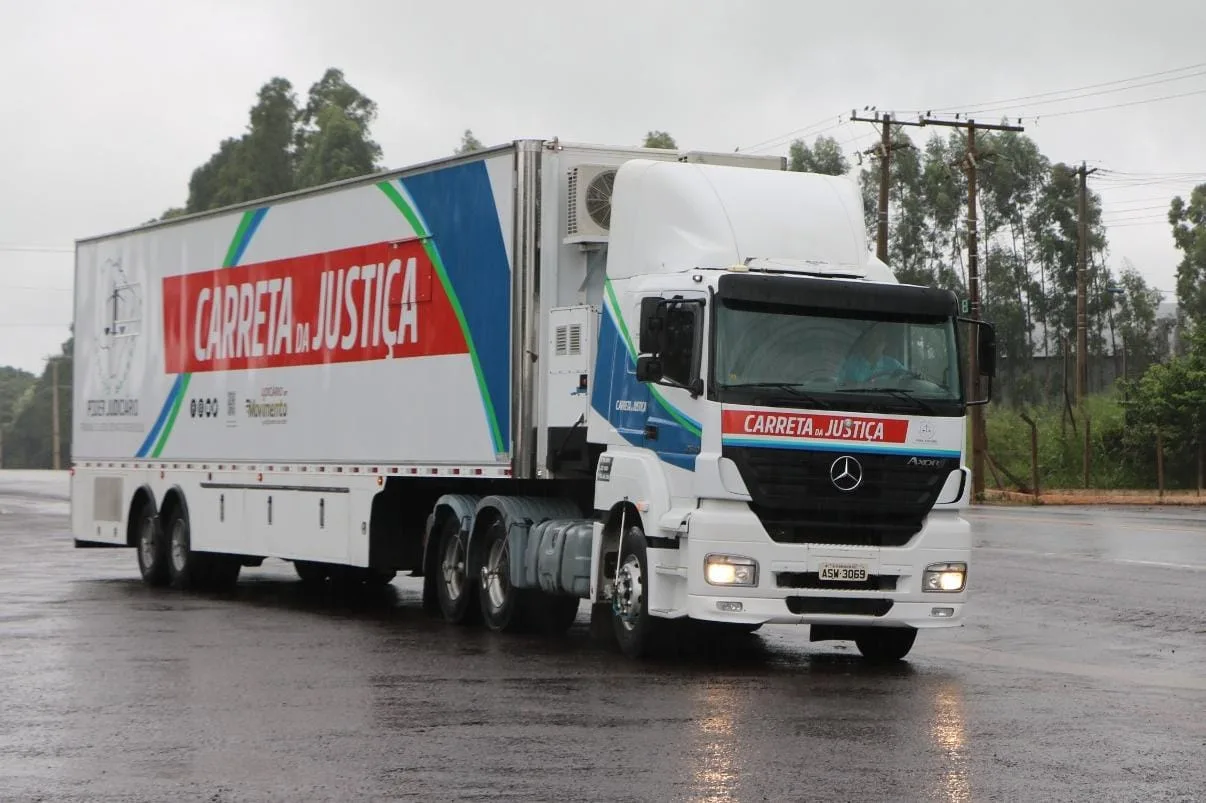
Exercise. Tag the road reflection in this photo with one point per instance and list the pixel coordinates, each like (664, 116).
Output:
(948, 731)
(716, 773)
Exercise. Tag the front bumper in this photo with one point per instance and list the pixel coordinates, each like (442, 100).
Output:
(783, 568)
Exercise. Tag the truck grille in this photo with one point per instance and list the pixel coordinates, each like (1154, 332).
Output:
(797, 502)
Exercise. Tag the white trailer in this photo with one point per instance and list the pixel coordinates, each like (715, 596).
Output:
(532, 375)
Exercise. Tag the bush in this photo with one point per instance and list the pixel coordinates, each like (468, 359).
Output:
(1119, 458)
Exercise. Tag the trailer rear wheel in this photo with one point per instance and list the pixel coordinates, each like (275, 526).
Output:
(152, 548)
(453, 587)
(195, 571)
(185, 567)
(885, 645)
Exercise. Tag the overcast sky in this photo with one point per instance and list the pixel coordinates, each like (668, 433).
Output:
(111, 105)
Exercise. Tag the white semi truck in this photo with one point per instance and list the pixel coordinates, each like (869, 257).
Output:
(676, 385)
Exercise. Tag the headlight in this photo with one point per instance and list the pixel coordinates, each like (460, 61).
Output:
(730, 570)
(945, 577)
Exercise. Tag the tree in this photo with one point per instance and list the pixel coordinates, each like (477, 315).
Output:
(216, 183)
(469, 143)
(825, 156)
(332, 133)
(660, 139)
(337, 150)
(13, 384)
(944, 190)
(286, 148)
(168, 214)
(267, 158)
(1170, 400)
(1188, 221)
(1143, 341)
(28, 438)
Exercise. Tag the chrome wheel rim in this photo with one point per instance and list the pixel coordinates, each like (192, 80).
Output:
(146, 543)
(495, 579)
(179, 545)
(453, 567)
(629, 592)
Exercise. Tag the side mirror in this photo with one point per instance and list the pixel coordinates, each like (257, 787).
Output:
(653, 325)
(987, 355)
(648, 368)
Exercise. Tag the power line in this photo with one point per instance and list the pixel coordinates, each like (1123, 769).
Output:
(1041, 98)
(1074, 89)
(799, 132)
(1119, 209)
(1141, 174)
(1125, 105)
(992, 108)
(1137, 223)
(1036, 118)
(36, 289)
(784, 140)
(1138, 219)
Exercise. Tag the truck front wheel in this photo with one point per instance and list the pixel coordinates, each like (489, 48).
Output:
(885, 645)
(636, 630)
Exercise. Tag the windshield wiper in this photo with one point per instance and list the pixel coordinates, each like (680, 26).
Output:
(899, 393)
(791, 387)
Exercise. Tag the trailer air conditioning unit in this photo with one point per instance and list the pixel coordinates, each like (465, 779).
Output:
(589, 214)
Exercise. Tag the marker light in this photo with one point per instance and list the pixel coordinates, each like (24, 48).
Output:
(944, 577)
(730, 570)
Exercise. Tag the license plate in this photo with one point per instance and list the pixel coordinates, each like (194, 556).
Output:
(843, 572)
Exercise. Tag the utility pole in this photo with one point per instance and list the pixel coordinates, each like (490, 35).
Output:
(54, 412)
(1082, 317)
(1082, 253)
(884, 151)
(973, 287)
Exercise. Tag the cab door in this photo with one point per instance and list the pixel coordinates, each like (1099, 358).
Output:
(670, 366)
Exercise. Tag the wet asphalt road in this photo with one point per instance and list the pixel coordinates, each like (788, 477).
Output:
(1081, 676)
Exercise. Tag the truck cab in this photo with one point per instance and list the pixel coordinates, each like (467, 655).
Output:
(783, 423)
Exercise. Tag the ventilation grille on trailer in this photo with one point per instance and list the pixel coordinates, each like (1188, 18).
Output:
(572, 219)
(568, 340)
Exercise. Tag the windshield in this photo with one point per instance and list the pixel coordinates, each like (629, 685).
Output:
(846, 359)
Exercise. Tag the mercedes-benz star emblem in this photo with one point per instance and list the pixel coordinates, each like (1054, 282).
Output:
(846, 473)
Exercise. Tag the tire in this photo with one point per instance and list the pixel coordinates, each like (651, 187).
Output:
(885, 645)
(637, 632)
(502, 604)
(196, 571)
(152, 548)
(454, 590)
(186, 568)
